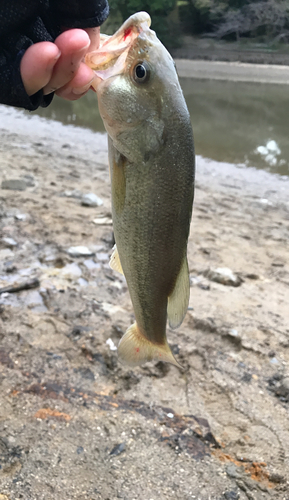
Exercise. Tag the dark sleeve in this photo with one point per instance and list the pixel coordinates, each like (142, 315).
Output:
(80, 13)
(25, 23)
(12, 91)
(12, 47)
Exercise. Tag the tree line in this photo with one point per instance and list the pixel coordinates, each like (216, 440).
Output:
(265, 20)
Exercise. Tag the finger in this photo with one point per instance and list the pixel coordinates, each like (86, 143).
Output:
(79, 84)
(94, 35)
(37, 65)
(73, 45)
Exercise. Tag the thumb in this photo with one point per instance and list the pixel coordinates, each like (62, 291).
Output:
(37, 65)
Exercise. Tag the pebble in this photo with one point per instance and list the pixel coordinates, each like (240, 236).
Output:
(9, 242)
(14, 184)
(111, 345)
(103, 221)
(231, 495)
(91, 200)
(225, 276)
(274, 361)
(80, 251)
(234, 336)
(21, 217)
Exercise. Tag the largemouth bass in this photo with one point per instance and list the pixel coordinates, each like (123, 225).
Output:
(152, 166)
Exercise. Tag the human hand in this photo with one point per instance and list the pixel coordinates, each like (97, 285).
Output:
(58, 67)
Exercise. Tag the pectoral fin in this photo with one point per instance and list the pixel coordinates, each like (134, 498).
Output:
(179, 299)
(115, 261)
(135, 349)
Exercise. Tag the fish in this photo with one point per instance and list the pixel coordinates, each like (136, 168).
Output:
(152, 171)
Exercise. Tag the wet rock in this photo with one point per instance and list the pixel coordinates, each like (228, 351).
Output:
(80, 251)
(233, 471)
(9, 242)
(225, 276)
(91, 200)
(29, 180)
(118, 449)
(14, 184)
(231, 495)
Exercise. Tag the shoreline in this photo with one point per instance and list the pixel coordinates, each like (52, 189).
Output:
(53, 133)
(233, 71)
(65, 397)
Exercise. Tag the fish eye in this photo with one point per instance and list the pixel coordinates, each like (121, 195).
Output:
(141, 72)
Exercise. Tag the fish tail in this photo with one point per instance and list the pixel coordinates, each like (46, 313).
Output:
(135, 349)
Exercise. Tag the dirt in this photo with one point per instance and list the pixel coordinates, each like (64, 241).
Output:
(74, 422)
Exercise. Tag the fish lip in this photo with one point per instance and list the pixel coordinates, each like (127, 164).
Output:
(108, 60)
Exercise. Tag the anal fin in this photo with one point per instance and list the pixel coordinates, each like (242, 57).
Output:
(134, 349)
(179, 299)
(115, 261)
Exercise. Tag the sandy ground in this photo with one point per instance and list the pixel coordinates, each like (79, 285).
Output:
(74, 423)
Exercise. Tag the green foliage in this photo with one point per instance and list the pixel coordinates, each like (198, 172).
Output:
(153, 7)
(167, 30)
(264, 19)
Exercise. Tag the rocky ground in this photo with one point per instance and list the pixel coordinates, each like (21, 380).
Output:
(74, 423)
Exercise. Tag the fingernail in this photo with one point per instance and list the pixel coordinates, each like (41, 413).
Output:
(83, 89)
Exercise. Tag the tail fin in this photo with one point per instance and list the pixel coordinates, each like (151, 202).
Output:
(134, 349)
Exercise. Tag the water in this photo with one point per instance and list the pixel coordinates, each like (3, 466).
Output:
(230, 120)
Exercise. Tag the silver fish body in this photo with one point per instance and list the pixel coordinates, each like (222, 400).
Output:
(151, 158)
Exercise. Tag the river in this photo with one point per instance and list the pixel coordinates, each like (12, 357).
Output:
(236, 122)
